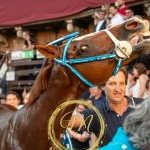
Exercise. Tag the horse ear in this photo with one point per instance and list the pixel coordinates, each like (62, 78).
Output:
(49, 51)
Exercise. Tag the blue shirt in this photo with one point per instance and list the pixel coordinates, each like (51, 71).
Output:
(111, 118)
(119, 142)
(96, 102)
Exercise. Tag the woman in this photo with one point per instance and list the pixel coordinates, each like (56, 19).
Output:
(130, 84)
(148, 88)
(139, 72)
(26, 97)
(136, 133)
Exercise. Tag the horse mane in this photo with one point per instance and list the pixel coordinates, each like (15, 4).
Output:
(41, 82)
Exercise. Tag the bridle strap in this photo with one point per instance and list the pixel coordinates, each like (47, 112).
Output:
(113, 38)
(123, 49)
(68, 62)
(58, 41)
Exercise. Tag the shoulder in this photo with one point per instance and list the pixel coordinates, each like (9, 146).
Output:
(143, 77)
(20, 106)
(120, 135)
(120, 141)
(85, 94)
(98, 102)
(102, 107)
(119, 16)
(135, 101)
(90, 112)
(87, 113)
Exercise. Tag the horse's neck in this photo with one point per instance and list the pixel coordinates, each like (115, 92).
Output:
(33, 118)
(63, 85)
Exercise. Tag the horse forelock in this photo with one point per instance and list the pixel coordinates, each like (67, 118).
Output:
(41, 83)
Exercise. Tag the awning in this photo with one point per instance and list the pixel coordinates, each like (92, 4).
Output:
(17, 12)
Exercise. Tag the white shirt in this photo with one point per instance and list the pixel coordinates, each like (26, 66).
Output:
(117, 19)
(136, 89)
(99, 25)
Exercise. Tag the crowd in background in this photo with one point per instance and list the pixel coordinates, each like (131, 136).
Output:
(138, 74)
(117, 13)
(117, 95)
(114, 99)
(137, 85)
(13, 99)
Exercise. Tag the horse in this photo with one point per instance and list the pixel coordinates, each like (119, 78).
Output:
(73, 63)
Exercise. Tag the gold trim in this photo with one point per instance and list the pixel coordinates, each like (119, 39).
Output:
(51, 122)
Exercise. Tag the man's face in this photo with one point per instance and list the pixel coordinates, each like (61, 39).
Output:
(128, 13)
(101, 15)
(94, 91)
(115, 88)
(12, 100)
(113, 11)
(80, 108)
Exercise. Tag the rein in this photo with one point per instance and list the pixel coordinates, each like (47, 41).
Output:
(122, 51)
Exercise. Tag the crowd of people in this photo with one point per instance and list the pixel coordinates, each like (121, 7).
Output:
(115, 106)
(13, 99)
(123, 101)
(138, 82)
(116, 14)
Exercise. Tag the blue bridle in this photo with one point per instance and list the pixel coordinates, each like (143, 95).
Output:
(68, 62)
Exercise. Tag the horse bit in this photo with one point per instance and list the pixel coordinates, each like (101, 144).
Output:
(123, 49)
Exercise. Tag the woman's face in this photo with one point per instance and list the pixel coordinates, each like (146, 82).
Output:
(12, 100)
(135, 72)
(26, 99)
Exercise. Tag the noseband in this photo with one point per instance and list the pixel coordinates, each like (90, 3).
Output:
(122, 51)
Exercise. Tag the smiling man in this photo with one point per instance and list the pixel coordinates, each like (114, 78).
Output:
(115, 93)
(114, 108)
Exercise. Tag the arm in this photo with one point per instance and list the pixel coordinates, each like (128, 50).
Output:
(93, 139)
(142, 80)
(76, 121)
(80, 137)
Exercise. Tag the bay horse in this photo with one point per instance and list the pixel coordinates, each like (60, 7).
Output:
(26, 129)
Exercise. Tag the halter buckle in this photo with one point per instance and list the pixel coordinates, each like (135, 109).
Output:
(123, 49)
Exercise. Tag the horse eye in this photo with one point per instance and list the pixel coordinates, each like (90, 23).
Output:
(83, 49)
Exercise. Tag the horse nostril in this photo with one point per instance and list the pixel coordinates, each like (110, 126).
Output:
(74, 48)
(83, 49)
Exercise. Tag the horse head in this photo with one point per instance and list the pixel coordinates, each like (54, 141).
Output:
(92, 58)
(126, 41)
